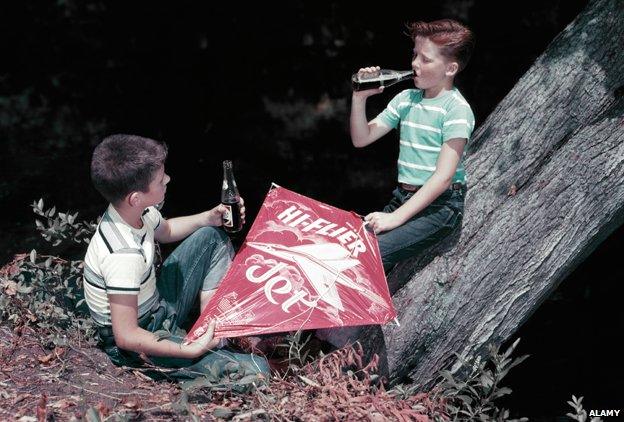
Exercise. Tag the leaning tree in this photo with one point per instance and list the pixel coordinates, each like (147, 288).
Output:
(546, 187)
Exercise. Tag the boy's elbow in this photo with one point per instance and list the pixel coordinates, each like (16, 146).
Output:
(126, 341)
(123, 342)
(359, 143)
(445, 179)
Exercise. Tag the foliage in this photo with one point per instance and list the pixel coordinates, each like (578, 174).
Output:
(472, 397)
(580, 414)
(302, 119)
(46, 291)
(298, 356)
(58, 227)
(30, 114)
(339, 386)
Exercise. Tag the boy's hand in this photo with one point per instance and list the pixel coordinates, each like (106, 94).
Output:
(382, 221)
(203, 344)
(214, 217)
(368, 72)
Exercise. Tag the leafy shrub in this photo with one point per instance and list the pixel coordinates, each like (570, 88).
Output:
(472, 397)
(45, 291)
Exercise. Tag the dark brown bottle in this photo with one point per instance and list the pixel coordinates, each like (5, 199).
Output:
(384, 77)
(232, 222)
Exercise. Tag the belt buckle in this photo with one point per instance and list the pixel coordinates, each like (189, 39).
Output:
(409, 188)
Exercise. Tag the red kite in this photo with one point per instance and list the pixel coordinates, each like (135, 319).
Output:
(303, 265)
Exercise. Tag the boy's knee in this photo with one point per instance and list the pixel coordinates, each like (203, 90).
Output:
(206, 294)
(211, 234)
(384, 243)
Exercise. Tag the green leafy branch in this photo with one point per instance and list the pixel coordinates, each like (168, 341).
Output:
(56, 227)
(473, 396)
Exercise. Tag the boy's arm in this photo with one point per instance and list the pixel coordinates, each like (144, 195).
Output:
(178, 228)
(129, 336)
(439, 181)
(363, 132)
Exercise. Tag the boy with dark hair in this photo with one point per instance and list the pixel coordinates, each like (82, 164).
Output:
(126, 299)
(435, 122)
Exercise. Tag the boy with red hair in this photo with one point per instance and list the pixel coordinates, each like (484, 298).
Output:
(435, 122)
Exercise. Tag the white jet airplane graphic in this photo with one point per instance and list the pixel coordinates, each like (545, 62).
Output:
(322, 264)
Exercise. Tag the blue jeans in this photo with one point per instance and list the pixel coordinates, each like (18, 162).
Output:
(198, 263)
(424, 229)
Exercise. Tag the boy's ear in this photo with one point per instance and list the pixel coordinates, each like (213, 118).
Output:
(133, 198)
(452, 68)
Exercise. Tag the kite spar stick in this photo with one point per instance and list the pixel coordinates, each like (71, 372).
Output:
(364, 223)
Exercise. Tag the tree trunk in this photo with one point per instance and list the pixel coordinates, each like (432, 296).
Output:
(546, 187)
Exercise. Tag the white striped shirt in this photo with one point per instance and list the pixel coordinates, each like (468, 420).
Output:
(120, 260)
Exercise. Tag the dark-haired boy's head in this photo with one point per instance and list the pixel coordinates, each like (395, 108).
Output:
(122, 164)
(454, 40)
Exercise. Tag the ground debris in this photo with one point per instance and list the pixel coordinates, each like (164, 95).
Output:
(64, 383)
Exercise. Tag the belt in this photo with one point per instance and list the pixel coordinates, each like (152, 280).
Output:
(414, 188)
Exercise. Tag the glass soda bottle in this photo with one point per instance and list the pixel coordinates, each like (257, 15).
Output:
(384, 77)
(230, 197)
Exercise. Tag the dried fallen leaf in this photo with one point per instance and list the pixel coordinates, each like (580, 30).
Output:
(92, 415)
(47, 358)
(309, 381)
(222, 412)
(102, 408)
(131, 403)
(421, 418)
(10, 287)
(20, 397)
(42, 412)
(63, 404)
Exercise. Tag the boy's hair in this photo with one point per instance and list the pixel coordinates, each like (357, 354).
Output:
(122, 164)
(454, 39)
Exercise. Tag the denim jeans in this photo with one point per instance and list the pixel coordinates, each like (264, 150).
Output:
(198, 263)
(424, 229)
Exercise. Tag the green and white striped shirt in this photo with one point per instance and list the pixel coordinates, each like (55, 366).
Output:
(425, 124)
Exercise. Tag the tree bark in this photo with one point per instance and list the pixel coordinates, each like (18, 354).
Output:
(546, 187)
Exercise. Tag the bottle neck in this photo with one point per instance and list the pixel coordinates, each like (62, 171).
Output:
(228, 175)
(407, 74)
(230, 191)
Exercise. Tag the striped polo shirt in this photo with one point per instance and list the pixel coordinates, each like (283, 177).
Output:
(120, 260)
(424, 124)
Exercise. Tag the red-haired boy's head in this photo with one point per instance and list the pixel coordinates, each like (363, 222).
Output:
(454, 40)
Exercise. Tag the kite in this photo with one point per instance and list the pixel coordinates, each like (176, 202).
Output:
(304, 265)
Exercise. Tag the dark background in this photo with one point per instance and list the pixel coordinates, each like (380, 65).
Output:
(268, 87)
